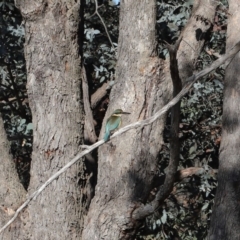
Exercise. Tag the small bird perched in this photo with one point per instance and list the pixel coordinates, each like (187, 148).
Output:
(113, 122)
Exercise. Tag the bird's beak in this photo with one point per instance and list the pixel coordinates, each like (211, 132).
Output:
(126, 113)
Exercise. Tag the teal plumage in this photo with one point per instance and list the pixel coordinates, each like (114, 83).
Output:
(113, 122)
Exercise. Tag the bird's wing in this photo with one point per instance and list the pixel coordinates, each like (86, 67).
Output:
(113, 123)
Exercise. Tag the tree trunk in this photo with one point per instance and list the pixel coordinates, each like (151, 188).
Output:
(12, 193)
(54, 82)
(128, 164)
(226, 213)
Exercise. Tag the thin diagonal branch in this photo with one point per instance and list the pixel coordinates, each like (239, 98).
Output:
(147, 209)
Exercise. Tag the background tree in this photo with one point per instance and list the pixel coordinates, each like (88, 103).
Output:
(225, 217)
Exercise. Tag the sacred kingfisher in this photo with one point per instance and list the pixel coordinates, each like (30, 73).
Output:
(113, 122)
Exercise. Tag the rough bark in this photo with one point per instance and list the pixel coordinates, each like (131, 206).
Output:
(194, 36)
(128, 164)
(225, 218)
(54, 89)
(12, 193)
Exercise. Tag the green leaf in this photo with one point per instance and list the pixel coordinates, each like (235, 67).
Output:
(164, 217)
(205, 206)
(193, 149)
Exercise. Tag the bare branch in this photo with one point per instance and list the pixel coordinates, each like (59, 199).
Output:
(188, 172)
(104, 25)
(175, 119)
(184, 173)
(99, 94)
(96, 8)
(147, 209)
(89, 129)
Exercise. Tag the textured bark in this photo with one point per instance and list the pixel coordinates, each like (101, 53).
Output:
(128, 164)
(54, 89)
(194, 36)
(12, 193)
(225, 218)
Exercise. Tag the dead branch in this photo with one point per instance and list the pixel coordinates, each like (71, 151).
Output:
(175, 119)
(188, 172)
(148, 209)
(180, 176)
(89, 129)
(104, 25)
(99, 94)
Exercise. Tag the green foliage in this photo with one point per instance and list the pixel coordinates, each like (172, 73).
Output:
(171, 18)
(99, 54)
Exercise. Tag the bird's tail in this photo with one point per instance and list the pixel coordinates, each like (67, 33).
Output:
(106, 136)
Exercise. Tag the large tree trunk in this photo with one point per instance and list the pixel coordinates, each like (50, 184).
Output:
(128, 164)
(226, 212)
(12, 193)
(54, 82)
